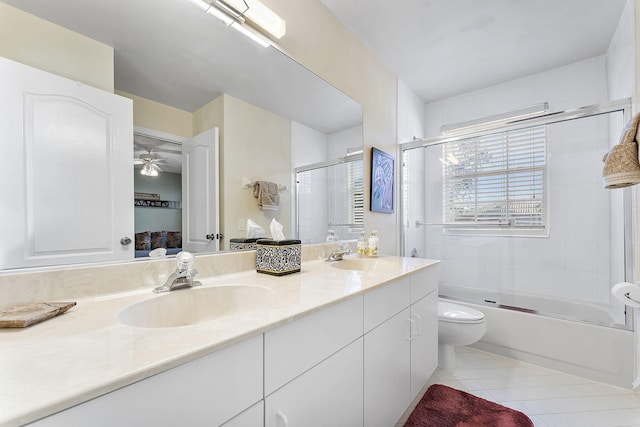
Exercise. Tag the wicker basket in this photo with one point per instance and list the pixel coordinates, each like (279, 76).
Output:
(621, 166)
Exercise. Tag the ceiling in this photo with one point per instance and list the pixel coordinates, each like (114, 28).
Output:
(441, 48)
(179, 56)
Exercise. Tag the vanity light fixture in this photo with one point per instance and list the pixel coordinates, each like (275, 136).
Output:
(239, 14)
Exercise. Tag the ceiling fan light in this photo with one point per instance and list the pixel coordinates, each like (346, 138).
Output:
(148, 170)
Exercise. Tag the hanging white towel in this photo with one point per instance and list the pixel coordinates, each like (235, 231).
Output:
(267, 194)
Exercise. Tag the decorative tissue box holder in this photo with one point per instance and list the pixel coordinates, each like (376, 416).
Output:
(278, 257)
(242, 244)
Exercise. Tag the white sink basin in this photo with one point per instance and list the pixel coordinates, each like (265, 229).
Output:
(186, 307)
(364, 264)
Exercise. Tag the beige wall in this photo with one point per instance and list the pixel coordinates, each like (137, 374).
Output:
(320, 42)
(33, 41)
(154, 115)
(261, 151)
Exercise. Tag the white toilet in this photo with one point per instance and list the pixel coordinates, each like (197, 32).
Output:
(457, 325)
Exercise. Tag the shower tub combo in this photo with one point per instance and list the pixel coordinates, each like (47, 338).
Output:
(527, 235)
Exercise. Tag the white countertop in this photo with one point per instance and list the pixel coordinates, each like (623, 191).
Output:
(87, 352)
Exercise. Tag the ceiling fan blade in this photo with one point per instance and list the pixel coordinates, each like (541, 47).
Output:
(138, 161)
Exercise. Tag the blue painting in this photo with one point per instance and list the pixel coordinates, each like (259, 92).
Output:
(382, 181)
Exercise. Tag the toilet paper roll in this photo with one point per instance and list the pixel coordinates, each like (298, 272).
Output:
(627, 293)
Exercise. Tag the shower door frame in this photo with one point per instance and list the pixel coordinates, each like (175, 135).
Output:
(622, 105)
(358, 155)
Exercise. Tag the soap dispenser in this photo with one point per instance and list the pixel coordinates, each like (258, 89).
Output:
(362, 245)
(373, 243)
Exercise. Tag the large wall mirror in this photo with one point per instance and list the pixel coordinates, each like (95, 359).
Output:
(271, 114)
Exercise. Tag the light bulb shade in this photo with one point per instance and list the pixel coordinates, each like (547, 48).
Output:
(234, 12)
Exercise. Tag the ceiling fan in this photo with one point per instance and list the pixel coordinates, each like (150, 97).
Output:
(149, 162)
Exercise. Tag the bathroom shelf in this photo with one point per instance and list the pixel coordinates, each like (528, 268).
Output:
(170, 204)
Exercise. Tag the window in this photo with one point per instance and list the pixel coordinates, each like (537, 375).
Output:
(496, 182)
(355, 182)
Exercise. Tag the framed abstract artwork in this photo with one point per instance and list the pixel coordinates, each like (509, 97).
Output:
(382, 181)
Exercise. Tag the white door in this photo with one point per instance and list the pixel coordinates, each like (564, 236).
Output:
(65, 168)
(200, 193)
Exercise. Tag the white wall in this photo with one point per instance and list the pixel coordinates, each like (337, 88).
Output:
(575, 85)
(410, 114)
(322, 198)
(308, 145)
(339, 142)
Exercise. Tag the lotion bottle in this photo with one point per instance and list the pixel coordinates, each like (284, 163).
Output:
(373, 243)
(362, 245)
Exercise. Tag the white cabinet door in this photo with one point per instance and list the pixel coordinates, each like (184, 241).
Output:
(387, 371)
(200, 193)
(424, 345)
(205, 392)
(329, 394)
(66, 155)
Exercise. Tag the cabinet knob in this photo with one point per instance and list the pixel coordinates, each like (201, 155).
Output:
(418, 322)
(283, 417)
(412, 327)
(125, 241)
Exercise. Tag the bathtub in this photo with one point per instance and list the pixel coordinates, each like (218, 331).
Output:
(539, 304)
(589, 350)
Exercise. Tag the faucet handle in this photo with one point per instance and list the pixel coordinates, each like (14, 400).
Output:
(185, 260)
(344, 246)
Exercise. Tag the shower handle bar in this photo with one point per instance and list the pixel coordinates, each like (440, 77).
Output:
(346, 225)
(419, 223)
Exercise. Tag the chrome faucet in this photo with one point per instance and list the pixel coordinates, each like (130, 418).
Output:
(343, 249)
(182, 277)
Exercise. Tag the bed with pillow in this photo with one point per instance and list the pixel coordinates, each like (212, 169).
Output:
(146, 241)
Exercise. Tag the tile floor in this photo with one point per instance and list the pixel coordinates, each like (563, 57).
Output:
(550, 398)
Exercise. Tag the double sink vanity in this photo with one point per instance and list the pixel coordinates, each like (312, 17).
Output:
(342, 343)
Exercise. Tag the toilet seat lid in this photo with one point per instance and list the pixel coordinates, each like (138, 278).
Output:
(449, 312)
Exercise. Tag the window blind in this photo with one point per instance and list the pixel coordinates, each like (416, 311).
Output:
(496, 181)
(355, 183)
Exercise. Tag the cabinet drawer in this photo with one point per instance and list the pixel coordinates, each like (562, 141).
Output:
(205, 392)
(384, 302)
(329, 394)
(294, 348)
(424, 282)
